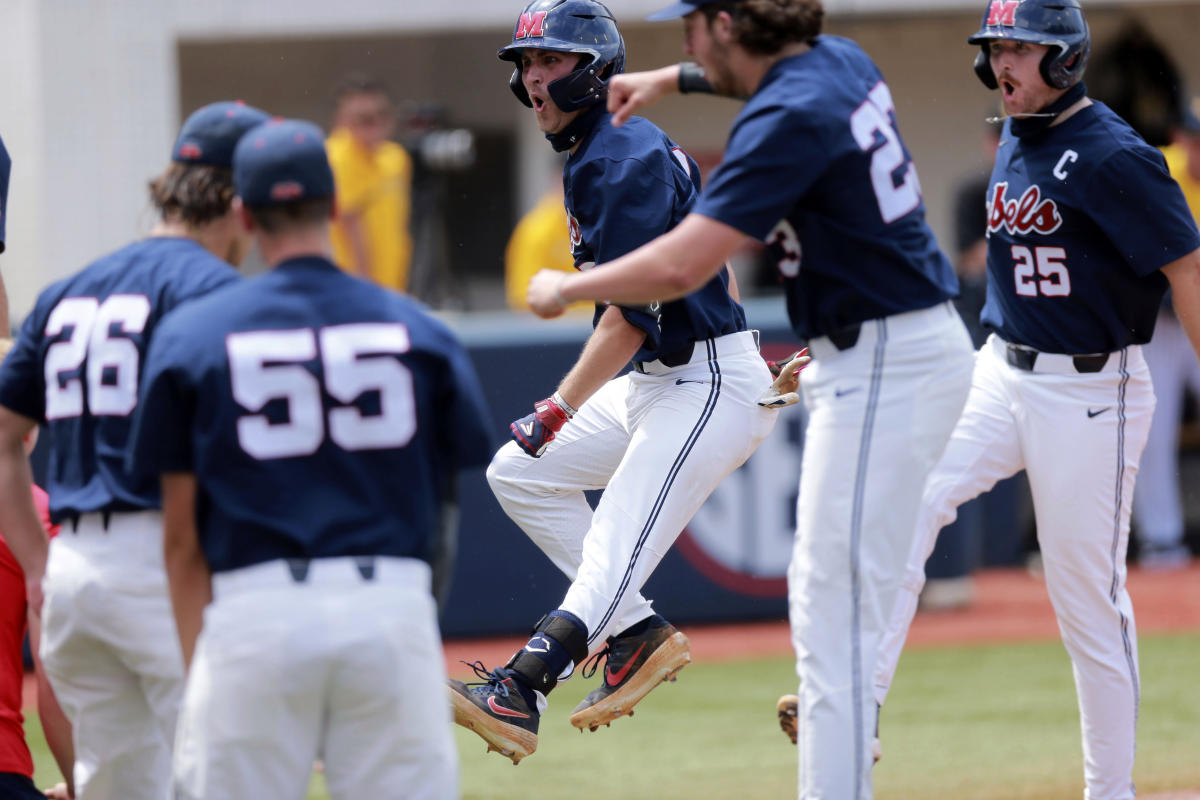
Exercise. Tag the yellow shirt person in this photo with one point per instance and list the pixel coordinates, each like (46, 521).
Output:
(373, 177)
(1177, 165)
(540, 241)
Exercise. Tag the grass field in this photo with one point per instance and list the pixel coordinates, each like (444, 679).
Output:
(984, 722)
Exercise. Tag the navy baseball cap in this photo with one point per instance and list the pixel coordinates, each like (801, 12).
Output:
(211, 132)
(682, 9)
(282, 161)
(5, 169)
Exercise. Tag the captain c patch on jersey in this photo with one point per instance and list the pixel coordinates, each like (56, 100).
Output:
(1030, 213)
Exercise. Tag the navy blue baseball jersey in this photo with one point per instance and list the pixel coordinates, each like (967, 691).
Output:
(1081, 218)
(76, 366)
(624, 187)
(321, 415)
(816, 169)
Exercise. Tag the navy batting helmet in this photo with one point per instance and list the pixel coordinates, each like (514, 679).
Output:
(1058, 24)
(569, 26)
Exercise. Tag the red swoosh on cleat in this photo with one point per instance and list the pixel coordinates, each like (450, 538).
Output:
(613, 678)
(504, 712)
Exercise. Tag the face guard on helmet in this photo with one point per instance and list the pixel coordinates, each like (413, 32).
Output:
(1059, 24)
(569, 26)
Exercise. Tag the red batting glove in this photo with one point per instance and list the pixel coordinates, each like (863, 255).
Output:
(534, 432)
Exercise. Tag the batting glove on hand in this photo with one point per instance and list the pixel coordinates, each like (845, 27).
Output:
(784, 390)
(534, 432)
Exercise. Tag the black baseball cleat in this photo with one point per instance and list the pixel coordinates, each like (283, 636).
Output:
(636, 664)
(495, 709)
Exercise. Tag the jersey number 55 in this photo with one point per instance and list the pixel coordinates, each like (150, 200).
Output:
(356, 359)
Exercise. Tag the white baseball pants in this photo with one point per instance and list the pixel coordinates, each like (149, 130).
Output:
(1079, 437)
(658, 444)
(337, 667)
(111, 652)
(880, 414)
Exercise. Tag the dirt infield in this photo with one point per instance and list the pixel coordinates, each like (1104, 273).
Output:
(1011, 605)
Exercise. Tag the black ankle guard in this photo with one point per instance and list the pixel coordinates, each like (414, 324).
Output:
(533, 669)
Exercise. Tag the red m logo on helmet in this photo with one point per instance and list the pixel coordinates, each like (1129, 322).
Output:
(531, 25)
(1003, 12)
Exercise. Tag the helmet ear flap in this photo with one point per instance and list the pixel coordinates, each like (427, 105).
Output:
(518, 87)
(983, 68)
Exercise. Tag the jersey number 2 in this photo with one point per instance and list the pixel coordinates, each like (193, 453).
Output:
(100, 336)
(266, 366)
(870, 121)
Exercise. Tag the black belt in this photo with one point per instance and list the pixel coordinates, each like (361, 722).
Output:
(298, 568)
(676, 358)
(1023, 358)
(846, 337)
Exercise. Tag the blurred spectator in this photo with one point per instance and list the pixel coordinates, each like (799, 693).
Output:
(1135, 77)
(540, 240)
(374, 177)
(17, 619)
(1157, 502)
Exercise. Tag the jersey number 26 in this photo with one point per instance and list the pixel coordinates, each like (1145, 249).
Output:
(100, 336)
(356, 359)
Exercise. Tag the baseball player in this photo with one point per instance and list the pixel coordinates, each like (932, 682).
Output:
(658, 440)
(1086, 229)
(109, 644)
(307, 425)
(867, 287)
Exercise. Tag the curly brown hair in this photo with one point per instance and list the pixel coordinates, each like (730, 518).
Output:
(767, 26)
(192, 193)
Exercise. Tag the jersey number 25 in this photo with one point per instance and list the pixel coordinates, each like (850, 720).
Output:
(356, 359)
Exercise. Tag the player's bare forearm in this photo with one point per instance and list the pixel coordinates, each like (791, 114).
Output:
(4, 320)
(674, 264)
(19, 518)
(55, 725)
(635, 90)
(188, 575)
(1184, 276)
(605, 354)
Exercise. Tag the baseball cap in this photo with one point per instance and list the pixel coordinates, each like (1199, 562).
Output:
(209, 135)
(282, 161)
(5, 169)
(681, 9)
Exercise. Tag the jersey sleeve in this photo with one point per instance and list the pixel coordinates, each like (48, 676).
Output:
(629, 202)
(161, 440)
(771, 160)
(22, 388)
(1140, 207)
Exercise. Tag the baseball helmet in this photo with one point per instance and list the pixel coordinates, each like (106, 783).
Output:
(1059, 24)
(569, 26)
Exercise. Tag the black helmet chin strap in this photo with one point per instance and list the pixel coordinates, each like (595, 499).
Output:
(1025, 125)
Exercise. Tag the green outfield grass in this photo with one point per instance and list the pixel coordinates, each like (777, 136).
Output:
(994, 722)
